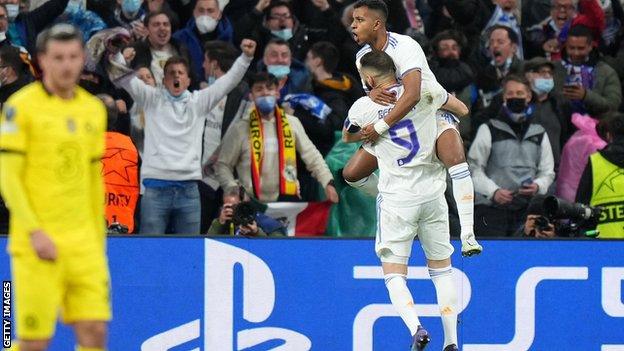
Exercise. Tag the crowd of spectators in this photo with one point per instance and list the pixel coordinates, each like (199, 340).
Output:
(543, 79)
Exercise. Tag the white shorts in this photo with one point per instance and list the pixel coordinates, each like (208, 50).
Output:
(446, 120)
(398, 227)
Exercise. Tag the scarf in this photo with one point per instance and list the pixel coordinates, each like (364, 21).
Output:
(287, 153)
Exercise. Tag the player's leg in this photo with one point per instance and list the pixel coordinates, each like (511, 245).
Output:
(86, 305)
(450, 150)
(435, 239)
(91, 335)
(358, 172)
(37, 290)
(393, 247)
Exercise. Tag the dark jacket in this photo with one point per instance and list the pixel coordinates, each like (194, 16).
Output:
(194, 41)
(30, 24)
(339, 93)
(233, 104)
(614, 153)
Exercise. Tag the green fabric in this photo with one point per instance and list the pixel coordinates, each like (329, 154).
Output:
(354, 215)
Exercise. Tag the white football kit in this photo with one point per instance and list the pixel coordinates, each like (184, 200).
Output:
(411, 181)
(408, 56)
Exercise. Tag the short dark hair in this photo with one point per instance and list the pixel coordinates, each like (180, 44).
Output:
(178, 60)
(278, 3)
(379, 61)
(262, 77)
(10, 57)
(517, 79)
(615, 125)
(151, 15)
(580, 30)
(224, 53)
(450, 34)
(511, 34)
(276, 41)
(375, 5)
(58, 32)
(328, 53)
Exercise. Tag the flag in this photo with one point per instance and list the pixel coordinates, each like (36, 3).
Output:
(301, 218)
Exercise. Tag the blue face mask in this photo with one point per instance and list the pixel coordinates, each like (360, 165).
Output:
(285, 33)
(543, 85)
(265, 104)
(73, 7)
(280, 71)
(131, 7)
(12, 11)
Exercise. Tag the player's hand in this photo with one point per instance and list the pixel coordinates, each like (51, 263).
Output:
(226, 214)
(503, 196)
(250, 229)
(322, 5)
(43, 245)
(331, 194)
(262, 5)
(529, 190)
(248, 47)
(574, 92)
(382, 97)
(369, 133)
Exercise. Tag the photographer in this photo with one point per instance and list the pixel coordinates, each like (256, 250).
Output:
(536, 225)
(602, 183)
(239, 217)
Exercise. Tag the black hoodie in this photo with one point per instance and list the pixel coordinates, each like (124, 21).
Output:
(614, 153)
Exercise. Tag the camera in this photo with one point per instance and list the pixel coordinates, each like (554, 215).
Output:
(244, 214)
(117, 228)
(570, 219)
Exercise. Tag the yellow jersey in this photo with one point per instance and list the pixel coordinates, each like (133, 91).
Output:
(61, 143)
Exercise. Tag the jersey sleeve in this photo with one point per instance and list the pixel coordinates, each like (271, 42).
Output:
(410, 57)
(439, 94)
(13, 129)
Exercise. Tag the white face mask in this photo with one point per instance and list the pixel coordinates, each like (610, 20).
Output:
(205, 24)
(12, 11)
(2, 36)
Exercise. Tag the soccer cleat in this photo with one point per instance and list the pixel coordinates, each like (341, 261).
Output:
(470, 246)
(451, 347)
(420, 340)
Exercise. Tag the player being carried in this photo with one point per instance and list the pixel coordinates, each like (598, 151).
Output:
(411, 193)
(52, 142)
(369, 28)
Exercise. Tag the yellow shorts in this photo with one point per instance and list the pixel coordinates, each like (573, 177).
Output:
(77, 286)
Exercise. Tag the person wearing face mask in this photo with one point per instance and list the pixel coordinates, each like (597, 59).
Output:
(87, 21)
(25, 26)
(271, 20)
(128, 14)
(276, 140)
(208, 23)
(590, 86)
(511, 160)
(292, 75)
(548, 103)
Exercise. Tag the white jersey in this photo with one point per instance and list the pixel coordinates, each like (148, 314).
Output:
(410, 173)
(406, 54)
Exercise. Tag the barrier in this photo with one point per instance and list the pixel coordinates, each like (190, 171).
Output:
(328, 294)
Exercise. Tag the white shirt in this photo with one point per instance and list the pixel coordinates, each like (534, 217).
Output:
(406, 54)
(409, 171)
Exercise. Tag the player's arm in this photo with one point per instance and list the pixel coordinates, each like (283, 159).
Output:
(95, 168)
(351, 132)
(13, 141)
(455, 106)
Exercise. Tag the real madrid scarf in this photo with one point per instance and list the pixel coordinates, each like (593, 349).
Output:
(286, 149)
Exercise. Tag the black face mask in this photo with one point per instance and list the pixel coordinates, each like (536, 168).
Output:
(90, 86)
(516, 105)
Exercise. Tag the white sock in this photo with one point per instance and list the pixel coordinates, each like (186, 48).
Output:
(367, 185)
(463, 192)
(402, 300)
(447, 301)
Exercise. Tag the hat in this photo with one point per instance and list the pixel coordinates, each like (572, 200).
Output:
(535, 63)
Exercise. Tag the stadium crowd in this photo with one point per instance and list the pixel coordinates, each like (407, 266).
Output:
(543, 80)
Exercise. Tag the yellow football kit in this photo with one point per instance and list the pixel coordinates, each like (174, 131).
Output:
(50, 178)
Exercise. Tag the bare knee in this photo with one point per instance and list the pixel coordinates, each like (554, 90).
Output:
(33, 345)
(91, 333)
(450, 148)
(439, 263)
